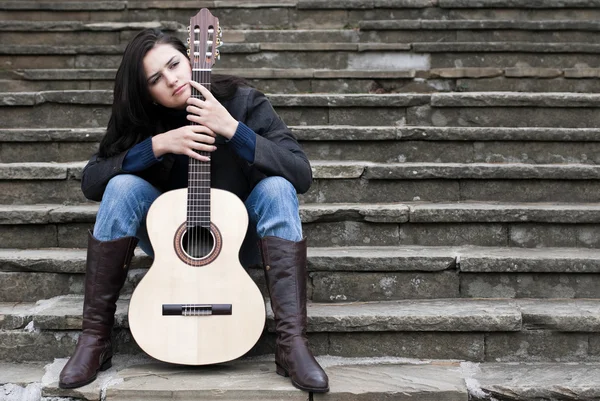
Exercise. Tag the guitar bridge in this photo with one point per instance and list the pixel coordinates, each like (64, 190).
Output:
(196, 309)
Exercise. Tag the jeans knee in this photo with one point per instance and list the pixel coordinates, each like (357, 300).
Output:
(125, 203)
(278, 189)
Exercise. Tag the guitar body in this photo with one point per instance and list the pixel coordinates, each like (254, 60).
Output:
(196, 339)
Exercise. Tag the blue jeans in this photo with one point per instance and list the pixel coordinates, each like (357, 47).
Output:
(272, 208)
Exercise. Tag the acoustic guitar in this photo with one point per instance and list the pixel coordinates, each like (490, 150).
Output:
(197, 305)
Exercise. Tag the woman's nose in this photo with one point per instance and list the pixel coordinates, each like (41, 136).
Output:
(171, 78)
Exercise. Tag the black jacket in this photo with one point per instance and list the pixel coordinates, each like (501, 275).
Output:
(277, 153)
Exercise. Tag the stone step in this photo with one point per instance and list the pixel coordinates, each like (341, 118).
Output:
(89, 109)
(61, 33)
(420, 224)
(358, 182)
(291, 80)
(352, 56)
(358, 273)
(351, 379)
(345, 143)
(475, 330)
(301, 13)
(386, 31)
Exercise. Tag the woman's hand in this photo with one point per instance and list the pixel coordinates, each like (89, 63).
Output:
(185, 141)
(210, 113)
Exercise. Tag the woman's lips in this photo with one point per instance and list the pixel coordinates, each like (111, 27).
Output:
(179, 90)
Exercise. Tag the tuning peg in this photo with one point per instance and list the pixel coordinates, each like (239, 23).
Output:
(219, 42)
(189, 28)
(188, 52)
(220, 32)
(188, 41)
(218, 54)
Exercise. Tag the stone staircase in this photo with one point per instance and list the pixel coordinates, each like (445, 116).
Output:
(452, 223)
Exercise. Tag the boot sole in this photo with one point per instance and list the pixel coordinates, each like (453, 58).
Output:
(282, 372)
(105, 366)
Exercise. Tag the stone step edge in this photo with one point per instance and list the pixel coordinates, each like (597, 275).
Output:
(299, 73)
(453, 100)
(395, 213)
(375, 378)
(347, 133)
(356, 259)
(364, 25)
(438, 315)
(345, 170)
(299, 4)
(479, 24)
(252, 48)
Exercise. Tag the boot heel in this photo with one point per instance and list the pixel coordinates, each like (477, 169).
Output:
(106, 365)
(281, 371)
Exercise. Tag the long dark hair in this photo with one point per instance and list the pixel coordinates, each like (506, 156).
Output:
(134, 115)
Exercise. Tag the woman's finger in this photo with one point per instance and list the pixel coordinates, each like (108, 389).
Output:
(203, 91)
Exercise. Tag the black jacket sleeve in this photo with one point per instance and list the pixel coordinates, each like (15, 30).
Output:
(277, 151)
(98, 172)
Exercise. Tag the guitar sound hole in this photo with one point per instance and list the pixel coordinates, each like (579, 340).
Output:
(198, 242)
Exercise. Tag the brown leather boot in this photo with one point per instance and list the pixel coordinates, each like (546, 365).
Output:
(285, 267)
(106, 271)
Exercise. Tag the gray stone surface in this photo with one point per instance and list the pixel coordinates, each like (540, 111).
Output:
(336, 287)
(509, 212)
(373, 258)
(385, 382)
(531, 260)
(529, 285)
(466, 346)
(568, 381)
(537, 346)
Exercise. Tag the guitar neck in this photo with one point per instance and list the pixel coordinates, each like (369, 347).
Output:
(198, 210)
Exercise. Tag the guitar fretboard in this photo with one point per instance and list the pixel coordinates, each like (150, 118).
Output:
(198, 210)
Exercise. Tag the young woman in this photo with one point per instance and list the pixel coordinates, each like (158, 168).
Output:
(145, 152)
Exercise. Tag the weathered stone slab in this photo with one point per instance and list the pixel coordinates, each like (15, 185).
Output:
(531, 260)
(350, 233)
(503, 117)
(398, 382)
(28, 236)
(376, 191)
(372, 258)
(537, 346)
(417, 315)
(504, 212)
(250, 381)
(544, 235)
(567, 315)
(552, 380)
(517, 4)
(529, 85)
(480, 171)
(27, 287)
(39, 171)
(536, 152)
(342, 287)
(528, 285)
(529, 190)
(392, 152)
(25, 214)
(380, 213)
(465, 346)
(454, 234)
(504, 99)
(517, 47)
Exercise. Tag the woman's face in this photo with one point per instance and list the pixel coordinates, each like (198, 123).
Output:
(168, 73)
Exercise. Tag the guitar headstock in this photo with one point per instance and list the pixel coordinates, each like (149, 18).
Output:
(204, 39)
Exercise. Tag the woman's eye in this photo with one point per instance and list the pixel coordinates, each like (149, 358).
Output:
(174, 64)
